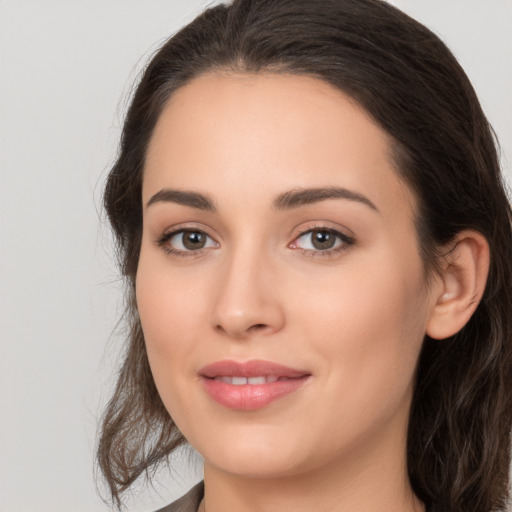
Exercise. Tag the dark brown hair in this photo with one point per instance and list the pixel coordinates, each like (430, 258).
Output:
(410, 83)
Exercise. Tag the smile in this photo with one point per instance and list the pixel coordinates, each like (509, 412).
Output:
(251, 385)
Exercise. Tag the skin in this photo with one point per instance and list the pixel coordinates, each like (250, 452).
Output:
(354, 319)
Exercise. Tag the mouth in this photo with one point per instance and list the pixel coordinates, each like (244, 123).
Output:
(253, 381)
(251, 385)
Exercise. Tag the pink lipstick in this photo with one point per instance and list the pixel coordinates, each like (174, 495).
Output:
(250, 385)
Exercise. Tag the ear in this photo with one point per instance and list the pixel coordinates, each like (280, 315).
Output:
(463, 278)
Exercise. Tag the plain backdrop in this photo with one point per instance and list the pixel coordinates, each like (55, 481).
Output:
(66, 71)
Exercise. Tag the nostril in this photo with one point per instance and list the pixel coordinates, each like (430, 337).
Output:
(239, 331)
(258, 327)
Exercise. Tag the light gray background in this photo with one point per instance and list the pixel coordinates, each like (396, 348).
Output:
(66, 68)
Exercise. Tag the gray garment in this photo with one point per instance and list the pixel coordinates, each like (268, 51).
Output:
(187, 503)
(190, 501)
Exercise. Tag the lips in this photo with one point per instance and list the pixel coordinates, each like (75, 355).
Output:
(250, 385)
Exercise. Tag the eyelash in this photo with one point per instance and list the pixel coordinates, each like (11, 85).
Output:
(162, 242)
(346, 242)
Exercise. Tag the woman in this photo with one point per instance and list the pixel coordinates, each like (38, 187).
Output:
(318, 248)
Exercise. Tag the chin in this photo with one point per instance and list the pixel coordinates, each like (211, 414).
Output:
(253, 454)
(256, 465)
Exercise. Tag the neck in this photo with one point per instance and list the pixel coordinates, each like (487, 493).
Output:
(305, 494)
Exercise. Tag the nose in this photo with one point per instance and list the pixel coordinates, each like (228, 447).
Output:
(247, 301)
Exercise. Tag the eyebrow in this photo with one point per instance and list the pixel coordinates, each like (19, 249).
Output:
(184, 197)
(285, 201)
(299, 197)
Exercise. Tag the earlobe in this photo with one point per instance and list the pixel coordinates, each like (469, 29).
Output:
(462, 283)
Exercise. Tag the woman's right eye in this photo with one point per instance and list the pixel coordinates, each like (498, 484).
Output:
(186, 241)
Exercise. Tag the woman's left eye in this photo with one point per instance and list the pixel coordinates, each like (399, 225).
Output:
(322, 240)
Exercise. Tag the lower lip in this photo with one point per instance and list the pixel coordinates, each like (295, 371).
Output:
(250, 397)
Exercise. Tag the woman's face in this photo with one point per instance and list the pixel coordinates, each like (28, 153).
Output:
(280, 288)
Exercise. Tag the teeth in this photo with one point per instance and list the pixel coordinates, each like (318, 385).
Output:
(241, 381)
(256, 380)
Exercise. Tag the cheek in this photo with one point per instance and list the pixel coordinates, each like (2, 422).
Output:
(170, 311)
(169, 302)
(369, 325)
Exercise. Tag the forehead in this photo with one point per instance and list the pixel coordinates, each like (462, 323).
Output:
(236, 133)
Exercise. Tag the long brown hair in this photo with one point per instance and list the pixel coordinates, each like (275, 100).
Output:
(444, 148)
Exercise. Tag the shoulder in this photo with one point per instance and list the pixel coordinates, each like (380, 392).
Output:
(188, 502)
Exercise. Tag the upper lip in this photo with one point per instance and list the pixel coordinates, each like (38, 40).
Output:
(254, 368)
